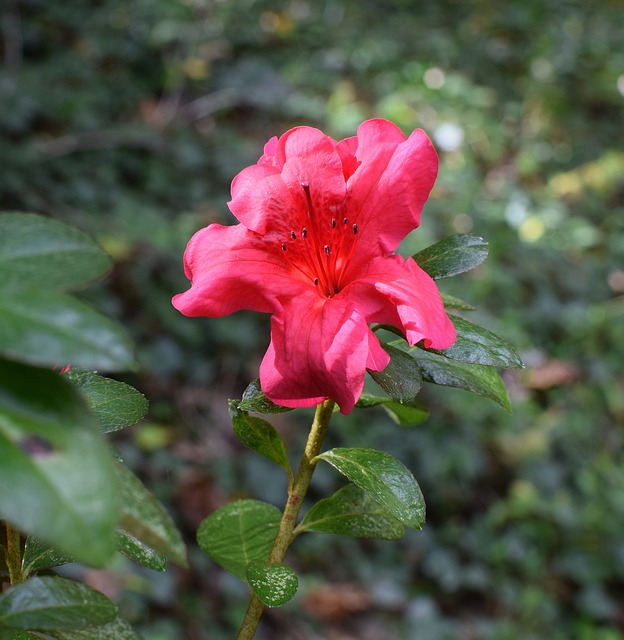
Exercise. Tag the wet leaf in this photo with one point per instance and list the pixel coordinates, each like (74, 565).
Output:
(51, 328)
(477, 345)
(401, 379)
(352, 512)
(143, 517)
(388, 481)
(115, 404)
(239, 533)
(260, 436)
(453, 255)
(275, 584)
(50, 602)
(55, 461)
(254, 401)
(40, 251)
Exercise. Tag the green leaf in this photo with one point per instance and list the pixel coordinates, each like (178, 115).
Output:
(401, 379)
(406, 415)
(144, 518)
(260, 436)
(452, 255)
(115, 404)
(477, 378)
(140, 553)
(254, 401)
(35, 250)
(118, 629)
(50, 602)
(38, 556)
(275, 583)
(388, 481)
(62, 483)
(239, 533)
(367, 400)
(477, 345)
(51, 328)
(352, 512)
(451, 302)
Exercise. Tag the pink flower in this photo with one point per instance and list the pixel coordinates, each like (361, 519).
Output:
(319, 223)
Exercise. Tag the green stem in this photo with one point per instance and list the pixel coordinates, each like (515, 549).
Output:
(14, 555)
(297, 493)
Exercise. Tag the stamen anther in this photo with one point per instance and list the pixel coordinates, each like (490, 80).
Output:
(304, 232)
(293, 235)
(355, 229)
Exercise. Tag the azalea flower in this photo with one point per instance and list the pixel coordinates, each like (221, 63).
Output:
(320, 221)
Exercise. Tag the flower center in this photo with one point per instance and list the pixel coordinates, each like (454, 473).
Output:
(321, 251)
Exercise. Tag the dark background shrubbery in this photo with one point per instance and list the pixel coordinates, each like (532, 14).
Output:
(129, 120)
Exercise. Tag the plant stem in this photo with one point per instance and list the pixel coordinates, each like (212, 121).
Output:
(14, 555)
(297, 493)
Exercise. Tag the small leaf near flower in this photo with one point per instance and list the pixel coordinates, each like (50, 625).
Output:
(260, 436)
(476, 345)
(480, 379)
(453, 255)
(401, 379)
(255, 401)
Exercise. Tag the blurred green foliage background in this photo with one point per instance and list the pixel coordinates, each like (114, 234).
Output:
(129, 120)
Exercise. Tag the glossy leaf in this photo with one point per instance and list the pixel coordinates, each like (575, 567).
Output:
(352, 512)
(479, 379)
(38, 556)
(401, 379)
(406, 415)
(115, 404)
(140, 553)
(118, 629)
(477, 345)
(144, 518)
(40, 251)
(239, 533)
(55, 462)
(275, 583)
(51, 328)
(451, 302)
(409, 414)
(254, 401)
(260, 436)
(367, 400)
(50, 602)
(453, 255)
(388, 481)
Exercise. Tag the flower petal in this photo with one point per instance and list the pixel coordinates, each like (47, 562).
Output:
(319, 349)
(257, 191)
(392, 183)
(395, 291)
(231, 268)
(308, 156)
